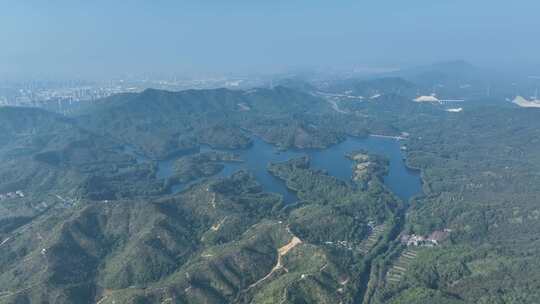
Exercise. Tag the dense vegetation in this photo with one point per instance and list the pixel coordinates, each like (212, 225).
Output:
(205, 164)
(218, 241)
(480, 171)
(95, 224)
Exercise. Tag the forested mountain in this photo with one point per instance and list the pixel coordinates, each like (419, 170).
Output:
(219, 241)
(84, 220)
(162, 123)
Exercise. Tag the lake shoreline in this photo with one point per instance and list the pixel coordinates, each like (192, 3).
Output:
(402, 180)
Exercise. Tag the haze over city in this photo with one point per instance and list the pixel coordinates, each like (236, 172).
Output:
(103, 39)
(285, 151)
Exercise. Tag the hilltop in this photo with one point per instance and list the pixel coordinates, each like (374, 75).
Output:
(83, 221)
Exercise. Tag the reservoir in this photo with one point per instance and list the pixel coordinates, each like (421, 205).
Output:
(402, 181)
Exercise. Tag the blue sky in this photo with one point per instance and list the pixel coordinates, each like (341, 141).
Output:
(100, 39)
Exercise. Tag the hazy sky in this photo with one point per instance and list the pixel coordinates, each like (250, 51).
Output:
(93, 39)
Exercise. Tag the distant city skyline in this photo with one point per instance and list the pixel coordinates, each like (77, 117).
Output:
(105, 39)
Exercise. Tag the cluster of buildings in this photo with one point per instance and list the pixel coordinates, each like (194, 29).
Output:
(36, 96)
(8, 195)
(428, 241)
(44, 93)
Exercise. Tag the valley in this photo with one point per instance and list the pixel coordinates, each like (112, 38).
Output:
(187, 197)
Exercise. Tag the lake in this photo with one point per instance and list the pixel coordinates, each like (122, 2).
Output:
(401, 180)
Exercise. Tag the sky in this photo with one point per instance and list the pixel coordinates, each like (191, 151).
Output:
(80, 39)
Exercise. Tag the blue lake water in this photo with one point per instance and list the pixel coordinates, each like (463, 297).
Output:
(402, 181)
